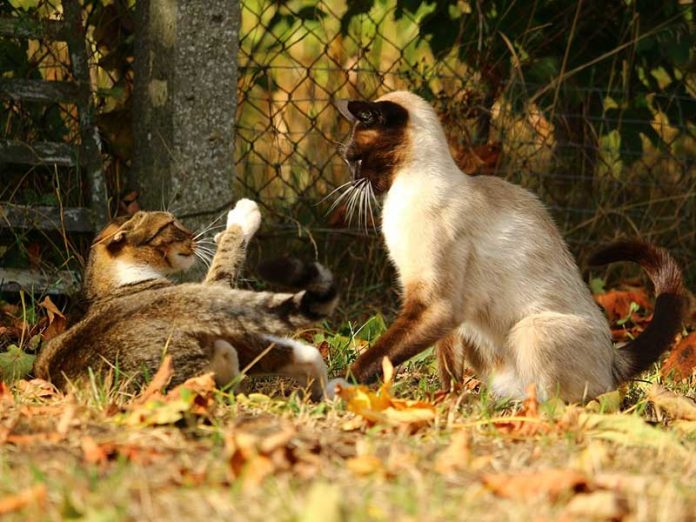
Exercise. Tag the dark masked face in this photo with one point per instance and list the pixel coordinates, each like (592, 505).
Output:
(378, 143)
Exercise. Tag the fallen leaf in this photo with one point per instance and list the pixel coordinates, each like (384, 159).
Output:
(363, 465)
(529, 422)
(6, 397)
(159, 381)
(456, 455)
(193, 397)
(676, 406)
(56, 320)
(681, 362)
(617, 303)
(253, 455)
(36, 389)
(381, 407)
(598, 505)
(33, 495)
(609, 402)
(550, 483)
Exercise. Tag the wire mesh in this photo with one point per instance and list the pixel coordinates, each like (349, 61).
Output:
(294, 61)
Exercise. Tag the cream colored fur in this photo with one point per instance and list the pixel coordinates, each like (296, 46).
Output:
(485, 256)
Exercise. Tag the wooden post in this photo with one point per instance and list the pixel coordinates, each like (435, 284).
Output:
(184, 105)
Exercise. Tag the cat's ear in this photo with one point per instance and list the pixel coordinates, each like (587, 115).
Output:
(368, 113)
(116, 241)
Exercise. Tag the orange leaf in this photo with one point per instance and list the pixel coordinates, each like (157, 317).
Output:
(617, 303)
(551, 483)
(51, 309)
(56, 320)
(682, 360)
(160, 380)
(33, 495)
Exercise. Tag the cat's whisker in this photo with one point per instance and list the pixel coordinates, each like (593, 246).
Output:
(353, 200)
(340, 198)
(333, 192)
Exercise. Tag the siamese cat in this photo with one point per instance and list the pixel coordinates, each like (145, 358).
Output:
(485, 274)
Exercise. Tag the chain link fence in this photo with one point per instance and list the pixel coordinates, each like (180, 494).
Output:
(297, 57)
(295, 61)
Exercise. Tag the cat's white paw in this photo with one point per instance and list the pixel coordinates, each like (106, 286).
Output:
(247, 216)
(331, 387)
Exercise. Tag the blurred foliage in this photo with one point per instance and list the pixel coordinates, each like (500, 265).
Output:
(550, 52)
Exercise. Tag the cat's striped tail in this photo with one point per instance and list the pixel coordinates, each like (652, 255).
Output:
(670, 304)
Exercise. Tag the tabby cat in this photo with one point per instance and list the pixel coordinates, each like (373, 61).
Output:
(135, 314)
(485, 274)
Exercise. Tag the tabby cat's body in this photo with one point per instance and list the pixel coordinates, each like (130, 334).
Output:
(136, 314)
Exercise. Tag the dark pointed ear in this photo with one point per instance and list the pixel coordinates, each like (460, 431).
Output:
(368, 113)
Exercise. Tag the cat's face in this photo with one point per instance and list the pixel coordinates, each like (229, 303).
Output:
(378, 143)
(153, 239)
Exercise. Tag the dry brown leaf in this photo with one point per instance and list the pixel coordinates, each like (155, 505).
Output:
(677, 406)
(456, 455)
(33, 495)
(34, 438)
(36, 389)
(551, 483)
(159, 381)
(254, 456)
(532, 424)
(599, 505)
(56, 320)
(681, 362)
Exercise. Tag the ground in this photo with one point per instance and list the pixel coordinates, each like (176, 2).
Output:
(400, 451)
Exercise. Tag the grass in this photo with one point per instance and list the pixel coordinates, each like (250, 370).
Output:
(268, 453)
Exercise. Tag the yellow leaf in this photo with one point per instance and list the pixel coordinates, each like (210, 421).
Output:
(364, 465)
(381, 407)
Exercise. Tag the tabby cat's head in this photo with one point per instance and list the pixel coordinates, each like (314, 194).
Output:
(153, 240)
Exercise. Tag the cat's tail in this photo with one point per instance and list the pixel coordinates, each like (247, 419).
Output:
(233, 311)
(319, 296)
(670, 304)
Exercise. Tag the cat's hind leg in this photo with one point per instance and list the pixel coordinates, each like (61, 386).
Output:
(224, 363)
(562, 354)
(270, 355)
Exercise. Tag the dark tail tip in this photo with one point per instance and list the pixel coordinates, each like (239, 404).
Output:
(670, 304)
(663, 270)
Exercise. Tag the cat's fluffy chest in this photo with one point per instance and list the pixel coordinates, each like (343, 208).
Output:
(413, 229)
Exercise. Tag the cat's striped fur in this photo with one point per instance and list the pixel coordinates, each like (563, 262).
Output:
(136, 314)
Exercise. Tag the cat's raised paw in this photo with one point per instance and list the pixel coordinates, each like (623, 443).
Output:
(247, 216)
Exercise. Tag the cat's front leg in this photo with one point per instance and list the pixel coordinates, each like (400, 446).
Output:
(417, 327)
(242, 223)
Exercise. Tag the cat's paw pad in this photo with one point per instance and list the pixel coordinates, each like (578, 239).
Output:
(247, 216)
(333, 385)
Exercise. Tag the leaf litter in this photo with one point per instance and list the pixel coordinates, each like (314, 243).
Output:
(371, 436)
